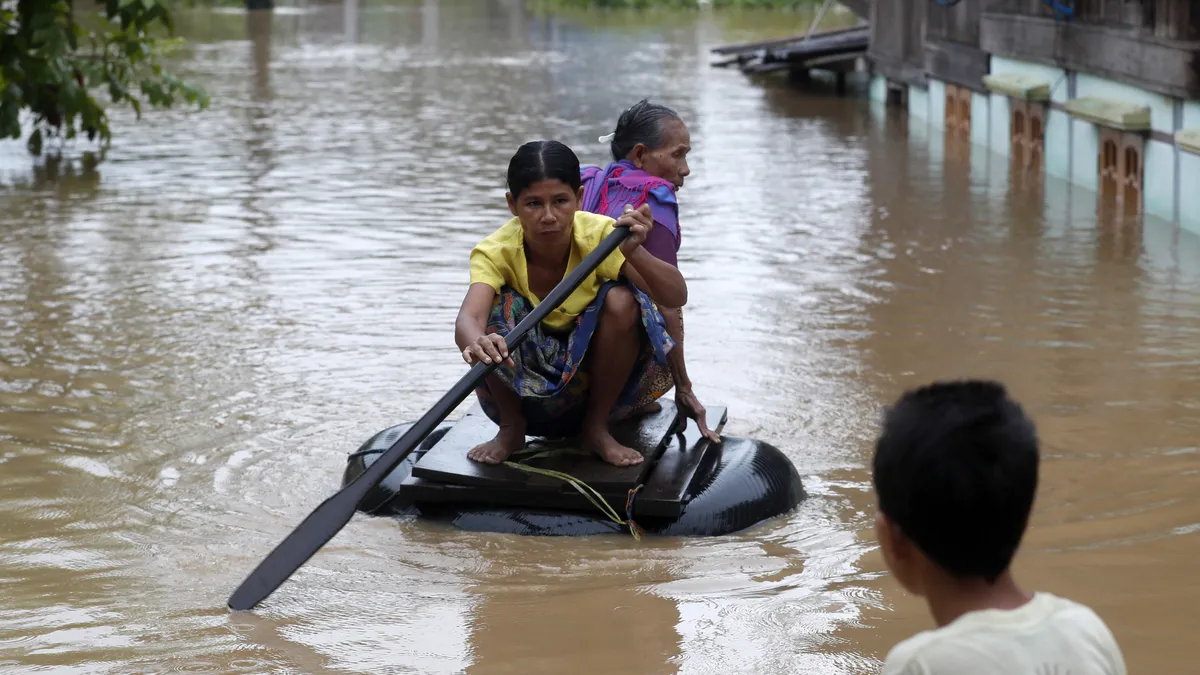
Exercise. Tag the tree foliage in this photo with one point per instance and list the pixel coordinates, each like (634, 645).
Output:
(59, 57)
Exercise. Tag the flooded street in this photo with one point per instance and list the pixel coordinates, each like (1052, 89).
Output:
(194, 334)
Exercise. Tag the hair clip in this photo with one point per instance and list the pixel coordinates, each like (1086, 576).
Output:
(608, 138)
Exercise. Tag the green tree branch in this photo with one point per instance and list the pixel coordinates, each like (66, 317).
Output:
(54, 64)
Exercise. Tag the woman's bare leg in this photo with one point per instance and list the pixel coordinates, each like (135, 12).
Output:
(612, 355)
(511, 436)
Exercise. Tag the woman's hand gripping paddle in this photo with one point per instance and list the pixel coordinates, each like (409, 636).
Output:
(333, 514)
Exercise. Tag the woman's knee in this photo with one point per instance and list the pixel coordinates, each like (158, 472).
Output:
(621, 307)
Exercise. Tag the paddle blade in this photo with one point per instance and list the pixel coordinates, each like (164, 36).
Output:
(317, 529)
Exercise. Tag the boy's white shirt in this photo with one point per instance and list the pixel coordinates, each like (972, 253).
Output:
(1048, 635)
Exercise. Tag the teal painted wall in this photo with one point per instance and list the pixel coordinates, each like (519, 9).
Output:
(1162, 108)
(1189, 193)
(1000, 108)
(1191, 115)
(1158, 179)
(936, 102)
(980, 119)
(1085, 160)
(878, 89)
(918, 103)
(1056, 144)
(1071, 145)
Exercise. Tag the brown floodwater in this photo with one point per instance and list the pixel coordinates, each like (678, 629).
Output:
(193, 334)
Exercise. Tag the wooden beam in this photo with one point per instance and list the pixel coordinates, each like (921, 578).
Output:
(957, 64)
(766, 44)
(1163, 66)
(838, 63)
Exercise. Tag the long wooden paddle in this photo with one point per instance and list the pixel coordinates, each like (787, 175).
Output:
(332, 515)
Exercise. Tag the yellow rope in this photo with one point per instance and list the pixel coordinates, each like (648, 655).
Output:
(583, 488)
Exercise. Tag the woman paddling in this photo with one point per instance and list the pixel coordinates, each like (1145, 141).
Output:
(584, 364)
(649, 149)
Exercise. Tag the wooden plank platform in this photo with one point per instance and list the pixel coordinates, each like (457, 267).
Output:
(751, 47)
(679, 457)
(447, 461)
(835, 50)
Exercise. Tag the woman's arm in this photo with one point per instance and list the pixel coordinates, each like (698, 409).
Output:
(470, 328)
(660, 280)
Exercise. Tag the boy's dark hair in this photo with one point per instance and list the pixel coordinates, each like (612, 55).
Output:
(541, 160)
(956, 469)
(641, 123)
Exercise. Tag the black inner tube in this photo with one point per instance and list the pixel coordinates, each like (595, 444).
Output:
(745, 483)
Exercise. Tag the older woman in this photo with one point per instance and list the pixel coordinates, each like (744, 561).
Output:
(649, 149)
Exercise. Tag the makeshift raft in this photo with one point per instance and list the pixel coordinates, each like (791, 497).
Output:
(687, 485)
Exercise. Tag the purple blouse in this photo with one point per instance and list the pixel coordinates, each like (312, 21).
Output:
(608, 190)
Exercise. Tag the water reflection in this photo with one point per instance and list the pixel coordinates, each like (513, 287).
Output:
(193, 334)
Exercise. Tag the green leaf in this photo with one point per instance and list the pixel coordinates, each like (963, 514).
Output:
(51, 64)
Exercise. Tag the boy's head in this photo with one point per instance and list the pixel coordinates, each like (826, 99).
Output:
(955, 472)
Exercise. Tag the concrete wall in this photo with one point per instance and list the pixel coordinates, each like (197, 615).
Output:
(1189, 192)
(1189, 174)
(878, 89)
(1085, 154)
(1072, 146)
(1056, 144)
(1057, 77)
(999, 110)
(1171, 177)
(981, 119)
(936, 104)
(918, 103)
(1191, 114)
(1158, 159)
(1162, 108)
(1158, 179)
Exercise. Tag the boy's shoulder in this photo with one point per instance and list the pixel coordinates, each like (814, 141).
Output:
(1045, 633)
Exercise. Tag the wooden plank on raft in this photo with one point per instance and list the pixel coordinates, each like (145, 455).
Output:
(447, 461)
(668, 483)
(681, 456)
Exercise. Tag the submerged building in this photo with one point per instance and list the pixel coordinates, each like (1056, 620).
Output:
(1102, 93)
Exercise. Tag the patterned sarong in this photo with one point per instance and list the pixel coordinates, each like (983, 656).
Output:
(548, 378)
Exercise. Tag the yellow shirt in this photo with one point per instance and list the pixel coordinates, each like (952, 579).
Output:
(500, 261)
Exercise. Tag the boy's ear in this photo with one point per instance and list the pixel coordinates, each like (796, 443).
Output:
(902, 557)
(884, 536)
(897, 549)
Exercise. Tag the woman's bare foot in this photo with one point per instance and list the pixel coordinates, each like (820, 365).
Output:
(601, 442)
(507, 441)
